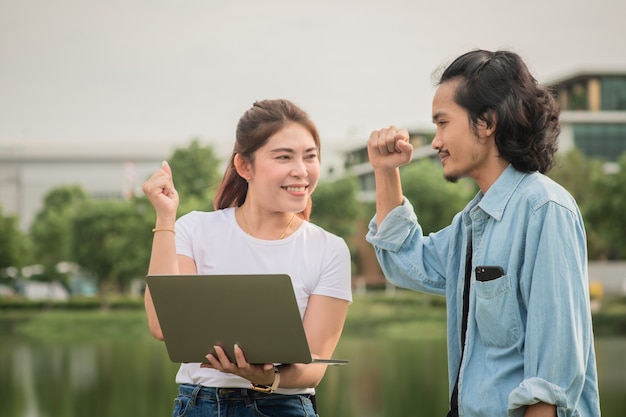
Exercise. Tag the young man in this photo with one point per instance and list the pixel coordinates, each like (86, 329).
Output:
(513, 263)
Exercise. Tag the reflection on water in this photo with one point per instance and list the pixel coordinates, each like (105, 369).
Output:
(73, 366)
(386, 378)
(109, 378)
(96, 379)
(611, 360)
(24, 378)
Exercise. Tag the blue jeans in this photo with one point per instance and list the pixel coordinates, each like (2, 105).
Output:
(199, 401)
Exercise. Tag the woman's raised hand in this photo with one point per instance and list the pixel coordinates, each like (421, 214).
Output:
(159, 189)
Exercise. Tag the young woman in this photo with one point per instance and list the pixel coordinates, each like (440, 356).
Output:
(260, 225)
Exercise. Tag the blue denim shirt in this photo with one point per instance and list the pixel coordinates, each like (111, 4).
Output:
(529, 336)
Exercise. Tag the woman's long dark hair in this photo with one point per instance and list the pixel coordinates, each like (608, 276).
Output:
(264, 119)
(497, 86)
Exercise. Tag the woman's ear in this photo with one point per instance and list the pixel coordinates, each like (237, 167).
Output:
(242, 165)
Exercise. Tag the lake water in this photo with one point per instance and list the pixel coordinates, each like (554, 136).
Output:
(135, 378)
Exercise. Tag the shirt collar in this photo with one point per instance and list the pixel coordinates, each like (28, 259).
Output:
(499, 194)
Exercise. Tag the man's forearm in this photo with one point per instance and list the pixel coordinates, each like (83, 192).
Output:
(388, 192)
(540, 410)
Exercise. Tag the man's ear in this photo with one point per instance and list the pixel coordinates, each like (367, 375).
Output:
(490, 121)
(243, 167)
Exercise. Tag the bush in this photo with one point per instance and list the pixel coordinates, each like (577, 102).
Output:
(74, 303)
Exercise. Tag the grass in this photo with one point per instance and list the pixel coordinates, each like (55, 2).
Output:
(400, 315)
(403, 315)
(72, 325)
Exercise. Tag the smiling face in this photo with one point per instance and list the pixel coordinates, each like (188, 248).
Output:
(465, 151)
(285, 171)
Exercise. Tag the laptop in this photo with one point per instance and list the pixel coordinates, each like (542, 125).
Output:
(257, 312)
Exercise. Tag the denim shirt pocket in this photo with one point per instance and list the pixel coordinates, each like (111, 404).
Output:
(496, 312)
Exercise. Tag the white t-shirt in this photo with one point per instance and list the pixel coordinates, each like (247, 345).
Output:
(317, 261)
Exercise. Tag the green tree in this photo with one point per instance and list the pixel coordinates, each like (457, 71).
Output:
(335, 207)
(435, 200)
(600, 196)
(51, 229)
(14, 246)
(111, 239)
(605, 214)
(576, 173)
(196, 171)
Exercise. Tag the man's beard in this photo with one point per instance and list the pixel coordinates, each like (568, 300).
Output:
(451, 178)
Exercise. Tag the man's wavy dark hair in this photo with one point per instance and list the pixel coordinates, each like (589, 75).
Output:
(497, 87)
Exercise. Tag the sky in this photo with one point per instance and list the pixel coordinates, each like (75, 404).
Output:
(164, 72)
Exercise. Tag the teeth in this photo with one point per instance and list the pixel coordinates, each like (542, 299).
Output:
(295, 189)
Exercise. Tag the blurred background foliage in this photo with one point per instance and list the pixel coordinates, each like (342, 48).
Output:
(109, 240)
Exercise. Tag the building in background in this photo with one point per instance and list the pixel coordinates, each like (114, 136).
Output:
(30, 170)
(593, 113)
